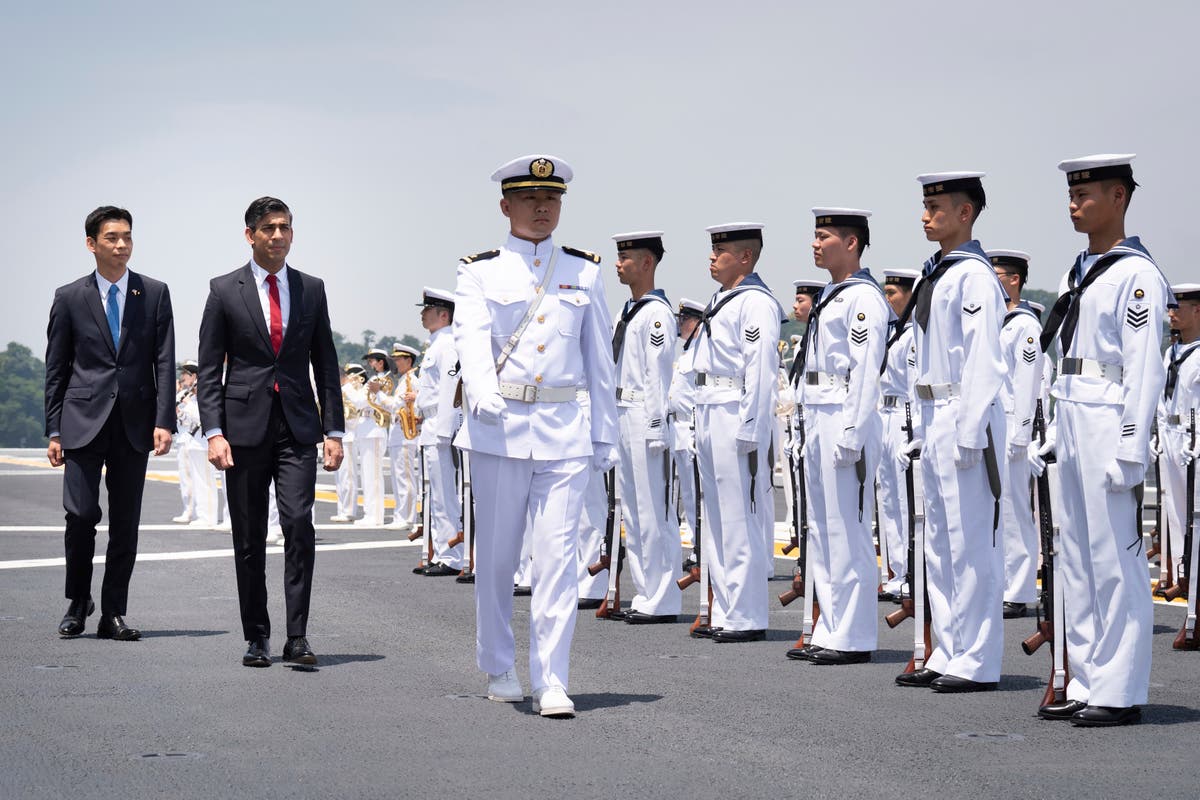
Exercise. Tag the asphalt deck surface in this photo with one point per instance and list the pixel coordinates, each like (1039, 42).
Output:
(397, 707)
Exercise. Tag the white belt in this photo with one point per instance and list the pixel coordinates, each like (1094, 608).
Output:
(428, 412)
(630, 395)
(1089, 368)
(540, 394)
(1179, 419)
(938, 391)
(893, 400)
(720, 381)
(828, 379)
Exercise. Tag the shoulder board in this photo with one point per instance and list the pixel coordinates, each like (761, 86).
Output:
(484, 256)
(584, 254)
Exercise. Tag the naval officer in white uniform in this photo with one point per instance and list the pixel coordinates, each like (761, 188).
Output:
(1181, 395)
(735, 368)
(404, 453)
(532, 330)
(681, 402)
(1106, 324)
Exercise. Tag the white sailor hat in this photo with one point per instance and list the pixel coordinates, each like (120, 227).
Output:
(690, 308)
(641, 240)
(534, 172)
(353, 369)
(437, 298)
(377, 352)
(946, 182)
(900, 277)
(1014, 260)
(404, 350)
(189, 366)
(809, 287)
(1098, 167)
(853, 217)
(736, 232)
(1186, 291)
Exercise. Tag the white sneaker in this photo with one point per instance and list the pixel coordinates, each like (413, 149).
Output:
(505, 688)
(552, 701)
(182, 518)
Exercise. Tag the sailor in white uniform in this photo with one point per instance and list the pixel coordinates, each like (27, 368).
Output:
(681, 401)
(371, 435)
(1024, 364)
(436, 392)
(957, 308)
(187, 388)
(1180, 397)
(346, 477)
(532, 330)
(643, 349)
(735, 365)
(404, 453)
(897, 409)
(1106, 325)
(838, 381)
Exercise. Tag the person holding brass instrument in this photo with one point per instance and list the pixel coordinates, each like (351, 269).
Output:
(402, 446)
(371, 434)
(353, 377)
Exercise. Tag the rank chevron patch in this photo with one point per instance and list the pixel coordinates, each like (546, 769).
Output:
(657, 340)
(752, 335)
(858, 336)
(972, 309)
(1137, 318)
(1028, 356)
(1128, 430)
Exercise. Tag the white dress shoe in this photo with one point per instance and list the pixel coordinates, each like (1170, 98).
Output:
(341, 518)
(505, 688)
(182, 518)
(399, 525)
(274, 535)
(366, 523)
(552, 701)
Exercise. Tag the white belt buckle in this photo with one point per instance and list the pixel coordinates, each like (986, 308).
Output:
(528, 393)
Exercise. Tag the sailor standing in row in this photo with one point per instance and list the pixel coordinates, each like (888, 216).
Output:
(532, 331)
(897, 409)
(353, 377)
(1107, 323)
(403, 448)
(436, 386)
(839, 390)
(1023, 366)
(735, 373)
(643, 349)
(681, 401)
(187, 492)
(958, 306)
(1181, 396)
(371, 435)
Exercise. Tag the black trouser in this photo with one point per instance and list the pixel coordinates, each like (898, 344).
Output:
(293, 466)
(125, 479)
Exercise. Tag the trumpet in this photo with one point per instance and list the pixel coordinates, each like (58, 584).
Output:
(350, 410)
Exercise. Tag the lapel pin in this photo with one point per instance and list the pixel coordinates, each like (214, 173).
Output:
(134, 292)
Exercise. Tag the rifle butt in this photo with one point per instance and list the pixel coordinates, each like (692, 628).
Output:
(416, 534)
(789, 548)
(788, 596)
(1180, 589)
(598, 567)
(900, 614)
(693, 576)
(456, 540)
(1184, 642)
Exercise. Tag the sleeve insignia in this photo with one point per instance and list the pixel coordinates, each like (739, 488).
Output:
(1029, 340)
(971, 309)
(1139, 294)
(1137, 318)
(858, 336)
(584, 254)
(484, 256)
(657, 340)
(1128, 430)
(1028, 355)
(657, 324)
(752, 335)
(861, 316)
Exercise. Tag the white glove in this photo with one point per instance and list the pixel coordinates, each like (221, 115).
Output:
(491, 409)
(604, 456)
(1037, 456)
(1123, 475)
(1188, 456)
(656, 446)
(907, 451)
(796, 447)
(691, 446)
(744, 447)
(967, 457)
(844, 456)
(1156, 449)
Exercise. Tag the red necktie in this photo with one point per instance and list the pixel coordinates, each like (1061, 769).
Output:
(276, 317)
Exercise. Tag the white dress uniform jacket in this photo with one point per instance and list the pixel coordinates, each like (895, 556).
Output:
(897, 407)
(681, 404)
(436, 391)
(1174, 434)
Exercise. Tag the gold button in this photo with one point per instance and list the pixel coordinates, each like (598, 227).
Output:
(538, 379)
(542, 318)
(537, 262)
(541, 348)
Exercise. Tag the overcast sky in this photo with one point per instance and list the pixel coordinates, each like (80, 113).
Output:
(379, 124)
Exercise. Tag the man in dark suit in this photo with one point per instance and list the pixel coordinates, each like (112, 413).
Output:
(110, 399)
(264, 324)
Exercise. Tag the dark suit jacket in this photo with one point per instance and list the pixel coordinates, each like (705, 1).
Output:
(85, 375)
(233, 328)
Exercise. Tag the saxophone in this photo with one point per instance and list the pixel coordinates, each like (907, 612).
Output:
(350, 410)
(407, 415)
(383, 417)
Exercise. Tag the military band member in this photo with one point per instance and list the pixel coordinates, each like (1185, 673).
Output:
(371, 435)
(203, 475)
(403, 449)
(353, 377)
(643, 350)
(1106, 323)
(681, 400)
(435, 389)
(1181, 395)
(735, 373)
(958, 307)
(839, 390)
(1023, 367)
(187, 388)
(896, 407)
(532, 330)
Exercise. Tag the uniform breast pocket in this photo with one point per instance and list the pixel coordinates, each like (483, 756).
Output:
(506, 310)
(571, 310)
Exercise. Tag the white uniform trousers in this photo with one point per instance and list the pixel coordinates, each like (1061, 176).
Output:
(445, 506)
(893, 497)
(347, 481)
(370, 452)
(964, 558)
(523, 574)
(406, 480)
(1021, 545)
(840, 551)
(652, 546)
(186, 490)
(548, 497)
(204, 484)
(733, 544)
(592, 526)
(686, 480)
(1108, 607)
(1173, 490)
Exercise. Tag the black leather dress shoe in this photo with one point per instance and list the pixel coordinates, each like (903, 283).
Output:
(420, 569)
(467, 578)
(297, 651)
(258, 654)
(589, 603)
(886, 595)
(830, 657)
(114, 627)
(955, 684)
(1106, 716)
(803, 653)
(920, 677)
(1014, 610)
(703, 632)
(638, 618)
(440, 570)
(618, 614)
(736, 637)
(72, 622)
(522, 591)
(1063, 710)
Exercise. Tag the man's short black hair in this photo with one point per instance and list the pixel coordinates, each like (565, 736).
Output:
(976, 197)
(263, 206)
(862, 234)
(1129, 183)
(91, 225)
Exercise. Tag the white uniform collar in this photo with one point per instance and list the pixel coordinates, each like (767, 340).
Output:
(528, 248)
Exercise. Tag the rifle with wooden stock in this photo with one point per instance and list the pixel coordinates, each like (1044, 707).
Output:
(612, 549)
(467, 537)
(801, 577)
(914, 602)
(1050, 619)
(1155, 547)
(698, 572)
(1186, 639)
(423, 530)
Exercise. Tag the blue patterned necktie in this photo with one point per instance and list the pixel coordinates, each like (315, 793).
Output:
(114, 316)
